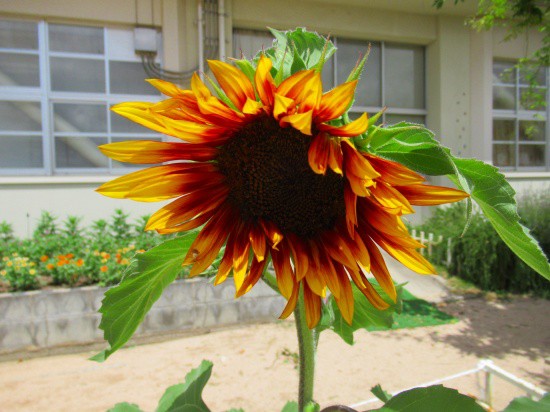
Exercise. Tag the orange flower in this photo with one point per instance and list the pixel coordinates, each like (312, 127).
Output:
(69, 256)
(266, 174)
(79, 262)
(104, 268)
(50, 266)
(44, 258)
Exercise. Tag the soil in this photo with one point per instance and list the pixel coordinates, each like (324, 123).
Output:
(254, 366)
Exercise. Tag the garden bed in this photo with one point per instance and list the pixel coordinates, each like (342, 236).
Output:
(51, 318)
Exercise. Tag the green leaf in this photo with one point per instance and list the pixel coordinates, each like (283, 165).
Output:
(125, 407)
(415, 147)
(525, 404)
(125, 305)
(431, 398)
(364, 315)
(496, 198)
(187, 396)
(290, 406)
(247, 68)
(380, 393)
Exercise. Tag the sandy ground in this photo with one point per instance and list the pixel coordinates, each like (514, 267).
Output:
(251, 372)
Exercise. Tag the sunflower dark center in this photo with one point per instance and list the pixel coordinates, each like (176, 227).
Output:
(269, 177)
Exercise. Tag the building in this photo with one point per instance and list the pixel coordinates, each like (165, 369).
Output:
(64, 62)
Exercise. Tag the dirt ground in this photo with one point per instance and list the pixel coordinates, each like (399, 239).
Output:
(252, 372)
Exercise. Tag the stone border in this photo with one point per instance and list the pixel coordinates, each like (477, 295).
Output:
(63, 317)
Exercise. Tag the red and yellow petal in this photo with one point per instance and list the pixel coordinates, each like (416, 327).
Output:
(234, 82)
(334, 104)
(355, 128)
(426, 195)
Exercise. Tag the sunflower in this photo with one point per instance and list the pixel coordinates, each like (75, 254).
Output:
(269, 177)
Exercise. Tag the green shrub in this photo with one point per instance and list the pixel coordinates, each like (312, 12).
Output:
(481, 257)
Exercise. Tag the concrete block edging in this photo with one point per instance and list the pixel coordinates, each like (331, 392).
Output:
(48, 319)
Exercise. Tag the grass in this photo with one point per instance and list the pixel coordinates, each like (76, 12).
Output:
(417, 313)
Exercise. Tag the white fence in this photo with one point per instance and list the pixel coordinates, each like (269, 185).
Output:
(429, 241)
(485, 398)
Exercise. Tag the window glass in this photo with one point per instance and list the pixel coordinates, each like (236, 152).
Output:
(504, 72)
(532, 131)
(76, 39)
(77, 75)
(504, 155)
(368, 92)
(20, 116)
(504, 98)
(397, 118)
(19, 70)
(18, 35)
(535, 74)
(532, 98)
(18, 152)
(532, 155)
(80, 152)
(71, 117)
(404, 76)
(504, 130)
(129, 78)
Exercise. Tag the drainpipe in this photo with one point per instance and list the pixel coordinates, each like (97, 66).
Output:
(201, 40)
(221, 28)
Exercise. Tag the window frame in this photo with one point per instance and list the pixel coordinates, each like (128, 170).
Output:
(518, 115)
(47, 97)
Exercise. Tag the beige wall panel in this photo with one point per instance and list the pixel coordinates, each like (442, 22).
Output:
(102, 11)
(23, 204)
(522, 46)
(356, 22)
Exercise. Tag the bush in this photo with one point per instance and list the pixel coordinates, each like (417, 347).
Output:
(481, 257)
(68, 254)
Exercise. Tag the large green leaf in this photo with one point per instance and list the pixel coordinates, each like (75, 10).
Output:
(125, 305)
(125, 407)
(431, 398)
(525, 404)
(364, 315)
(415, 147)
(187, 396)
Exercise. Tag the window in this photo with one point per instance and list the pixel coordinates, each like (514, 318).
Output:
(57, 83)
(520, 126)
(394, 75)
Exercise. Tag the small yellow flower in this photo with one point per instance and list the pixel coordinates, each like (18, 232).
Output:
(5, 259)
(14, 254)
(32, 272)
(96, 252)
(32, 264)
(9, 264)
(124, 262)
(3, 272)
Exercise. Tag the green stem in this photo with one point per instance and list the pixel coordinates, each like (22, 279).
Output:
(306, 346)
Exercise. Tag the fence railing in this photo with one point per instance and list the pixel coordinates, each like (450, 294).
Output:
(489, 370)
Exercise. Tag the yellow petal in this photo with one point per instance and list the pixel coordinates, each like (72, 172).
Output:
(281, 106)
(355, 128)
(252, 106)
(166, 88)
(426, 195)
(265, 84)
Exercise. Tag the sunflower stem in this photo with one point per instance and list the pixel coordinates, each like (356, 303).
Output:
(306, 347)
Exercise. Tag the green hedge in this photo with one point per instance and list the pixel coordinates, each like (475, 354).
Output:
(481, 257)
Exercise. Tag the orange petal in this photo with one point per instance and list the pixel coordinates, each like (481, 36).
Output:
(199, 88)
(312, 305)
(409, 257)
(380, 270)
(328, 272)
(234, 82)
(257, 241)
(394, 173)
(190, 224)
(281, 106)
(150, 152)
(283, 270)
(318, 154)
(293, 85)
(335, 159)
(300, 121)
(265, 84)
(335, 103)
(207, 245)
(355, 128)
(186, 208)
(391, 198)
(240, 257)
(226, 263)
(357, 164)
(256, 270)
(166, 88)
(300, 256)
(350, 199)
(291, 304)
(272, 232)
(426, 195)
(346, 300)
